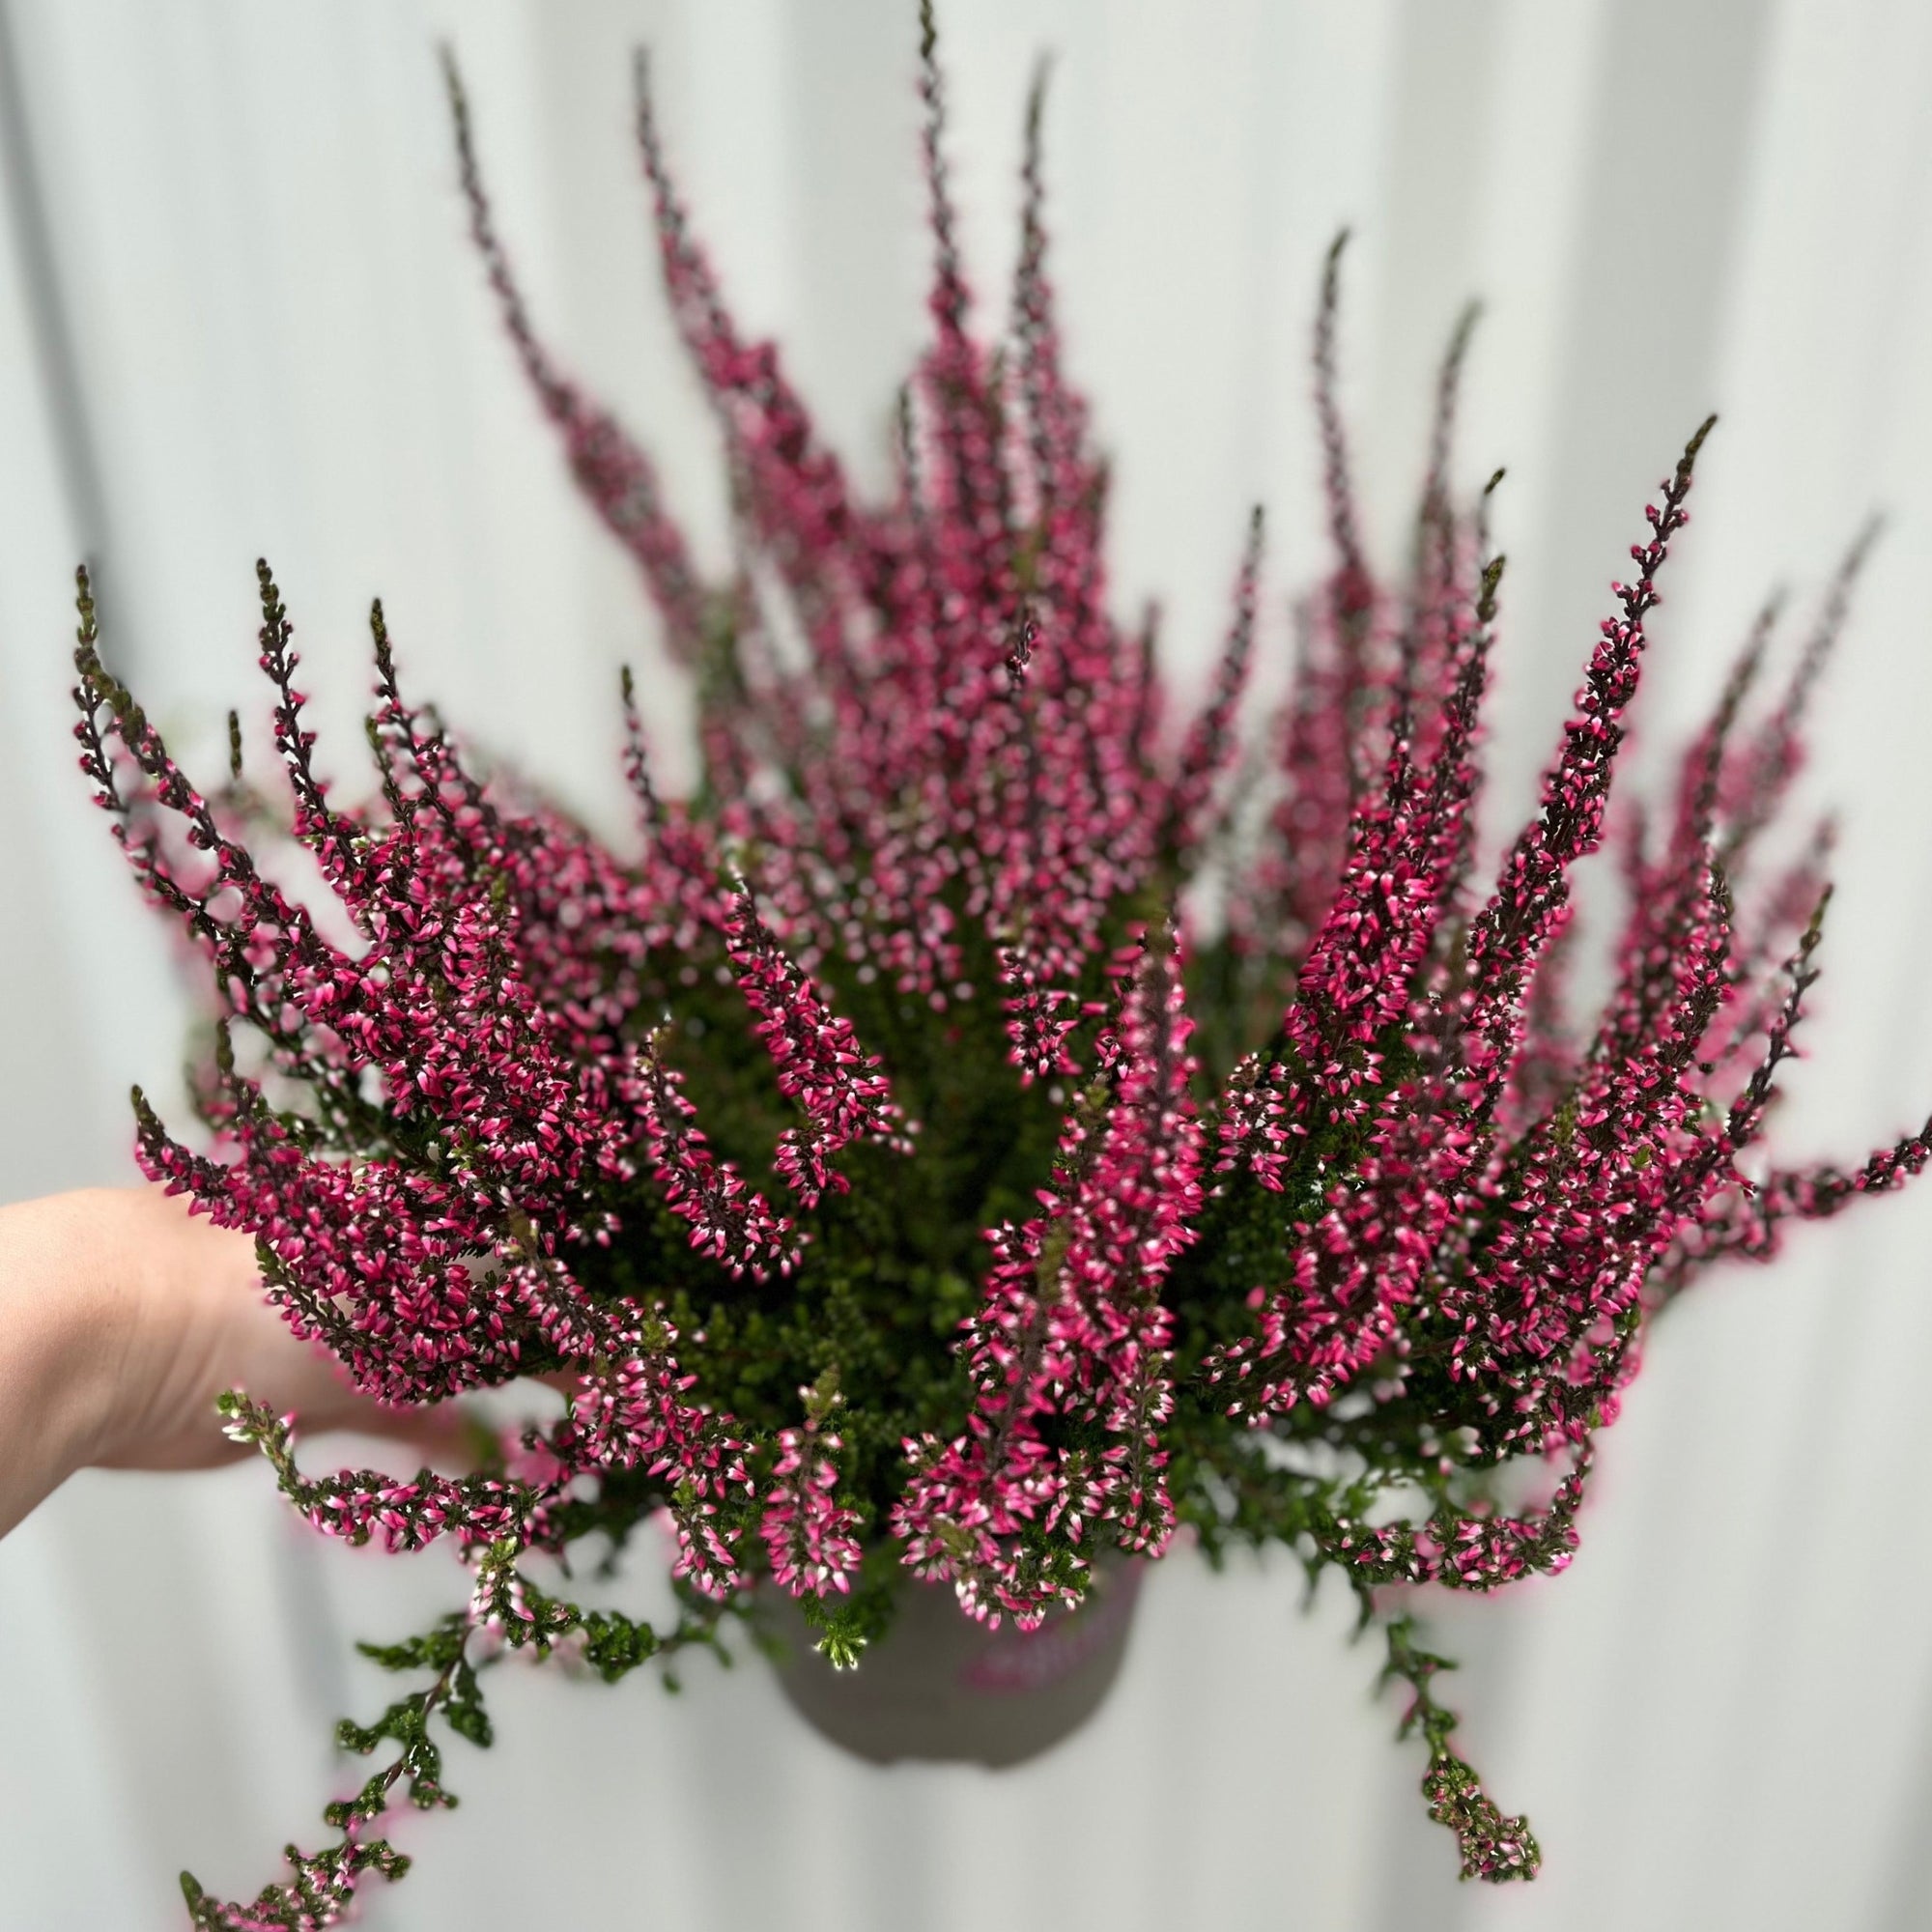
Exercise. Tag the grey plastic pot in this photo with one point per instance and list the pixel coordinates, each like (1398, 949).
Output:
(940, 1686)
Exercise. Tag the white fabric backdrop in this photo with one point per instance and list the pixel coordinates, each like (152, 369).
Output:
(237, 315)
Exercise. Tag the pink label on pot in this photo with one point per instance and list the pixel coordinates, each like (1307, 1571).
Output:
(1018, 1661)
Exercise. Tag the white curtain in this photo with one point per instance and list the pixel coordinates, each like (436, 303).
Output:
(238, 316)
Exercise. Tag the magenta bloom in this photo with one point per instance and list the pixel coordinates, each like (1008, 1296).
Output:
(900, 1171)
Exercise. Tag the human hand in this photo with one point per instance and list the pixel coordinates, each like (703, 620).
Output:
(122, 1318)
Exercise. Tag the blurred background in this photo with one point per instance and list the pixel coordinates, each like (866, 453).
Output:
(239, 315)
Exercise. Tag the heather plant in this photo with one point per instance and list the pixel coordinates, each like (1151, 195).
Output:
(898, 1171)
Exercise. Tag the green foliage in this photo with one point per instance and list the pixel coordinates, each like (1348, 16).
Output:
(846, 1625)
(1492, 1846)
(322, 1883)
